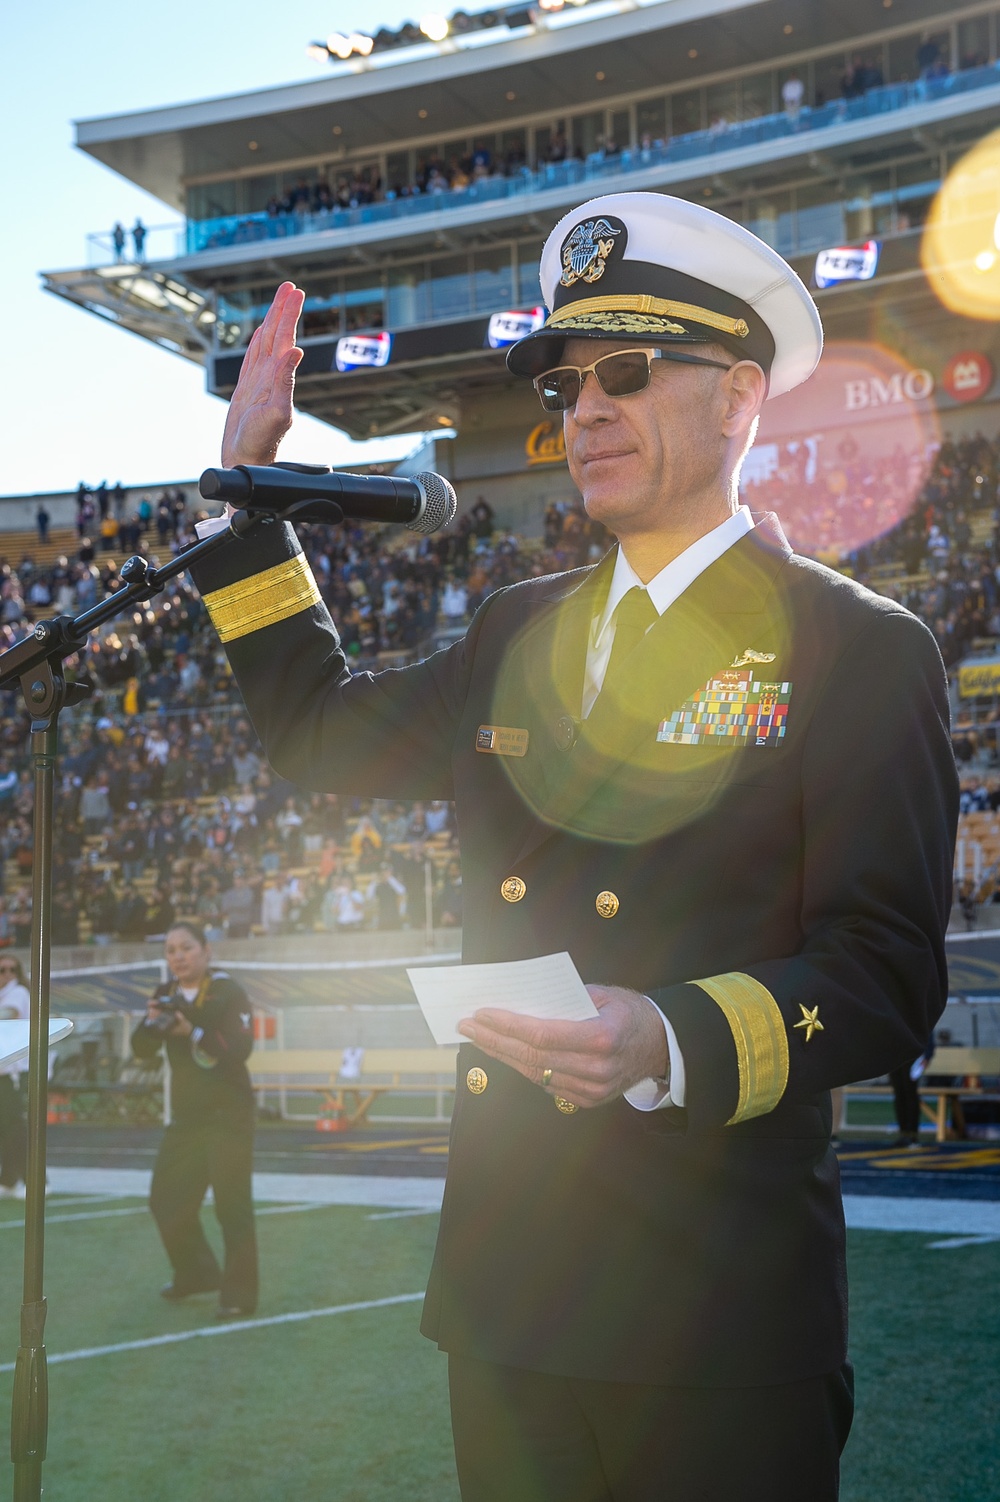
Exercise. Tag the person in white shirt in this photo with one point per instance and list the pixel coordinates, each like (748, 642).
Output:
(792, 93)
(14, 1002)
(343, 907)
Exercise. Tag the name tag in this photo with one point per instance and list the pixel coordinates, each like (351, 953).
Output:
(502, 740)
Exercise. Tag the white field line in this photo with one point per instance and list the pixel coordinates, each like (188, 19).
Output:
(58, 1220)
(399, 1214)
(285, 1209)
(955, 1241)
(369, 1191)
(55, 1220)
(62, 1201)
(882, 1212)
(230, 1328)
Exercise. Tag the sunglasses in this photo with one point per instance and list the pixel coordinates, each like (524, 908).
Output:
(621, 374)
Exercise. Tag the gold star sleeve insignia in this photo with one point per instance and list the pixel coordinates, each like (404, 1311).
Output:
(810, 1021)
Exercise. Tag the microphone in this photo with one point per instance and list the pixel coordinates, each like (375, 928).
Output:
(316, 493)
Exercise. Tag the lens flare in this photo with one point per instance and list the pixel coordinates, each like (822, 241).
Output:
(842, 458)
(622, 776)
(959, 246)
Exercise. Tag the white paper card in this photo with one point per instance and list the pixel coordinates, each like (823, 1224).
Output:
(549, 987)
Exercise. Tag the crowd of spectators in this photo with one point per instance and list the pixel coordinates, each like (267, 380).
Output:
(435, 174)
(107, 520)
(949, 560)
(165, 805)
(459, 171)
(921, 509)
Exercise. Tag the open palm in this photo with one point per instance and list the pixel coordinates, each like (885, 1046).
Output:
(260, 412)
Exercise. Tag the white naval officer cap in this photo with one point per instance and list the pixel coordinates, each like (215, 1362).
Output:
(653, 268)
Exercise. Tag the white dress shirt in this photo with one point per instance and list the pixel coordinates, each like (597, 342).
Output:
(14, 1004)
(667, 586)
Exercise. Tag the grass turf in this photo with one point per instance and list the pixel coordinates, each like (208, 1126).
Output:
(354, 1406)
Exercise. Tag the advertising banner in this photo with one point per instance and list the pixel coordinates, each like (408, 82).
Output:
(968, 375)
(975, 678)
(847, 263)
(357, 350)
(507, 328)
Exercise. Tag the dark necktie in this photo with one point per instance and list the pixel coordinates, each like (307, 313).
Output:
(633, 617)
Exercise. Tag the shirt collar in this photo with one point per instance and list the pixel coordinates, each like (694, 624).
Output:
(665, 587)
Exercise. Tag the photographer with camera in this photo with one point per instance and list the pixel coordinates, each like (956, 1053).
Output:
(203, 1019)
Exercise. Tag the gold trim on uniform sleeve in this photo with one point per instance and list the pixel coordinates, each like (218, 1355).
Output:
(761, 1041)
(644, 305)
(263, 599)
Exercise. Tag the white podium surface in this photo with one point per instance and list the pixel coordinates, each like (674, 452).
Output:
(14, 1037)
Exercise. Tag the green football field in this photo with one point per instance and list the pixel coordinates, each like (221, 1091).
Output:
(350, 1404)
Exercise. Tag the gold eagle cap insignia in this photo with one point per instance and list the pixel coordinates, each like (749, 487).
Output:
(585, 251)
(750, 656)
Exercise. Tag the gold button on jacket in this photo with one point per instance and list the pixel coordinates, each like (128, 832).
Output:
(477, 1079)
(513, 889)
(565, 1106)
(607, 904)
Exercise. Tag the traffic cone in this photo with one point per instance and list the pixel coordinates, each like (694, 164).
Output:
(332, 1117)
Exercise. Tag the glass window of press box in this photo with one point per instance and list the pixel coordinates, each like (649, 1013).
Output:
(319, 186)
(796, 220)
(440, 288)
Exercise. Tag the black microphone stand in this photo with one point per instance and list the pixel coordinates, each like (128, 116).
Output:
(36, 664)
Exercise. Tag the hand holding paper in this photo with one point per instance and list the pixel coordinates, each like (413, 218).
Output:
(537, 1015)
(547, 987)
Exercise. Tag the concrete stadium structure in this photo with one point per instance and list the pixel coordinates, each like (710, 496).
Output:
(683, 96)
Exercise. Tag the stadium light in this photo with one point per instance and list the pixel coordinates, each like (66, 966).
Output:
(435, 28)
(339, 46)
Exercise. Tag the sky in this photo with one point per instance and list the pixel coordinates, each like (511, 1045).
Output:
(82, 399)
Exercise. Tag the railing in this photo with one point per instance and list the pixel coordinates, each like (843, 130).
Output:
(242, 229)
(157, 242)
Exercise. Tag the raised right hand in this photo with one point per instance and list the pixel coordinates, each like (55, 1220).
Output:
(260, 412)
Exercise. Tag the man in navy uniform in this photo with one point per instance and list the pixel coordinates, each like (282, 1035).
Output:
(720, 776)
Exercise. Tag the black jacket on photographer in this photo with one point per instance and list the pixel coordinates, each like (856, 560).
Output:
(209, 1079)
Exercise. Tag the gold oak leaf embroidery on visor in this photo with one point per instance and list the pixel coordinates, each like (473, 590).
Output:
(263, 599)
(758, 1030)
(644, 306)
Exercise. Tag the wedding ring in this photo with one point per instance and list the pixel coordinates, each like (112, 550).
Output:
(546, 1077)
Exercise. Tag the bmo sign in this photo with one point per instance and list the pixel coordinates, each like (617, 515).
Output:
(967, 376)
(890, 390)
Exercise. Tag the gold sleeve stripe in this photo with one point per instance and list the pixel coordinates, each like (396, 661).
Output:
(761, 1040)
(263, 599)
(636, 303)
